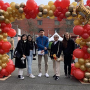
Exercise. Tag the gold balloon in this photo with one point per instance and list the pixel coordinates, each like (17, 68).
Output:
(87, 61)
(22, 5)
(5, 39)
(23, 16)
(78, 40)
(4, 65)
(1, 37)
(50, 13)
(5, 35)
(40, 14)
(44, 16)
(0, 30)
(85, 80)
(77, 22)
(0, 56)
(69, 18)
(77, 65)
(88, 44)
(21, 10)
(41, 7)
(87, 74)
(50, 3)
(47, 7)
(45, 11)
(83, 68)
(74, 4)
(88, 69)
(82, 43)
(2, 18)
(17, 6)
(7, 21)
(1, 11)
(71, 8)
(53, 8)
(12, 4)
(9, 9)
(67, 14)
(0, 68)
(4, 59)
(12, 19)
(6, 14)
(52, 17)
(88, 50)
(87, 65)
(0, 62)
(81, 61)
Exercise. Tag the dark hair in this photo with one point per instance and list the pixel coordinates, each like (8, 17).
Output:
(65, 41)
(29, 36)
(41, 30)
(23, 36)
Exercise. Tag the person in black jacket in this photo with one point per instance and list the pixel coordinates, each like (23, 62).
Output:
(20, 60)
(56, 49)
(68, 48)
(30, 50)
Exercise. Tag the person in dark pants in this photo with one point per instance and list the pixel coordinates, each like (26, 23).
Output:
(68, 48)
(20, 62)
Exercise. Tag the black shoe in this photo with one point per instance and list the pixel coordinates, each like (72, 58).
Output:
(54, 76)
(57, 78)
(69, 76)
(20, 77)
(66, 75)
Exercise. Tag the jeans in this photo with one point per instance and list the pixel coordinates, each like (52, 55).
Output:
(29, 62)
(11, 53)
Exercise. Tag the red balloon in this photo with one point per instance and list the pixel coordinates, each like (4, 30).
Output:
(9, 25)
(10, 62)
(2, 51)
(1, 76)
(59, 9)
(36, 11)
(85, 35)
(78, 53)
(4, 7)
(88, 32)
(31, 4)
(6, 45)
(11, 33)
(84, 48)
(2, 25)
(73, 68)
(65, 3)
(85, 31)
(88, 2)
(6, 29)
(59, 19)
(0, 44)
(3, 72)
(64, 11)
(61, 16)
(78, 30)
(7, 4)
(27, 16)
(10, 68)
(86, 56)
(57, 3)
(6, 50)
(26, 10)
(87, 27)
(1, 3)
(78, 74)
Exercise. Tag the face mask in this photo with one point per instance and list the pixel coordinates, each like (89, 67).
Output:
(24, 41)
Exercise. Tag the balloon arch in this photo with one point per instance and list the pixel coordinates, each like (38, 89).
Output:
(60, 9)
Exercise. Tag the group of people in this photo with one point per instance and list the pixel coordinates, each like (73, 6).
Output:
(26, 48)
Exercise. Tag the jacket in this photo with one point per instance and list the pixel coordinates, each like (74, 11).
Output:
(42, 42)
(54, 49)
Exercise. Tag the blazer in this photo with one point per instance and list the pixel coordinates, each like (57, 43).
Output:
(54, 49)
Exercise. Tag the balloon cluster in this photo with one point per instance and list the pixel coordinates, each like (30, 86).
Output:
(83, 54)
(31, 9)
(6, 69)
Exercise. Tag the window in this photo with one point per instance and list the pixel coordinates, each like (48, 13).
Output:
(39, 29)
(57, 30)
(39, 22)
(70, 30)
(57, 22)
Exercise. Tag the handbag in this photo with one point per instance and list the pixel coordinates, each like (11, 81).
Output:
(61, 56)
(40, 53)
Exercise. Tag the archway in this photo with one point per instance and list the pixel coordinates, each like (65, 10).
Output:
(60, 9)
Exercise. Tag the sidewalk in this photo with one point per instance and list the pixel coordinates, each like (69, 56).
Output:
(43, 83)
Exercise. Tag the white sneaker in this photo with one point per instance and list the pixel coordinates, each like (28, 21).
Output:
(47, 75)
(21, 77)
(40, 74)
(32, 76)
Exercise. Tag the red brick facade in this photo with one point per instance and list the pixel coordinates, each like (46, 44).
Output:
(47, 24)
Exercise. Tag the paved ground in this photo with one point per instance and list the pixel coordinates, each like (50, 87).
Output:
(43, 83)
